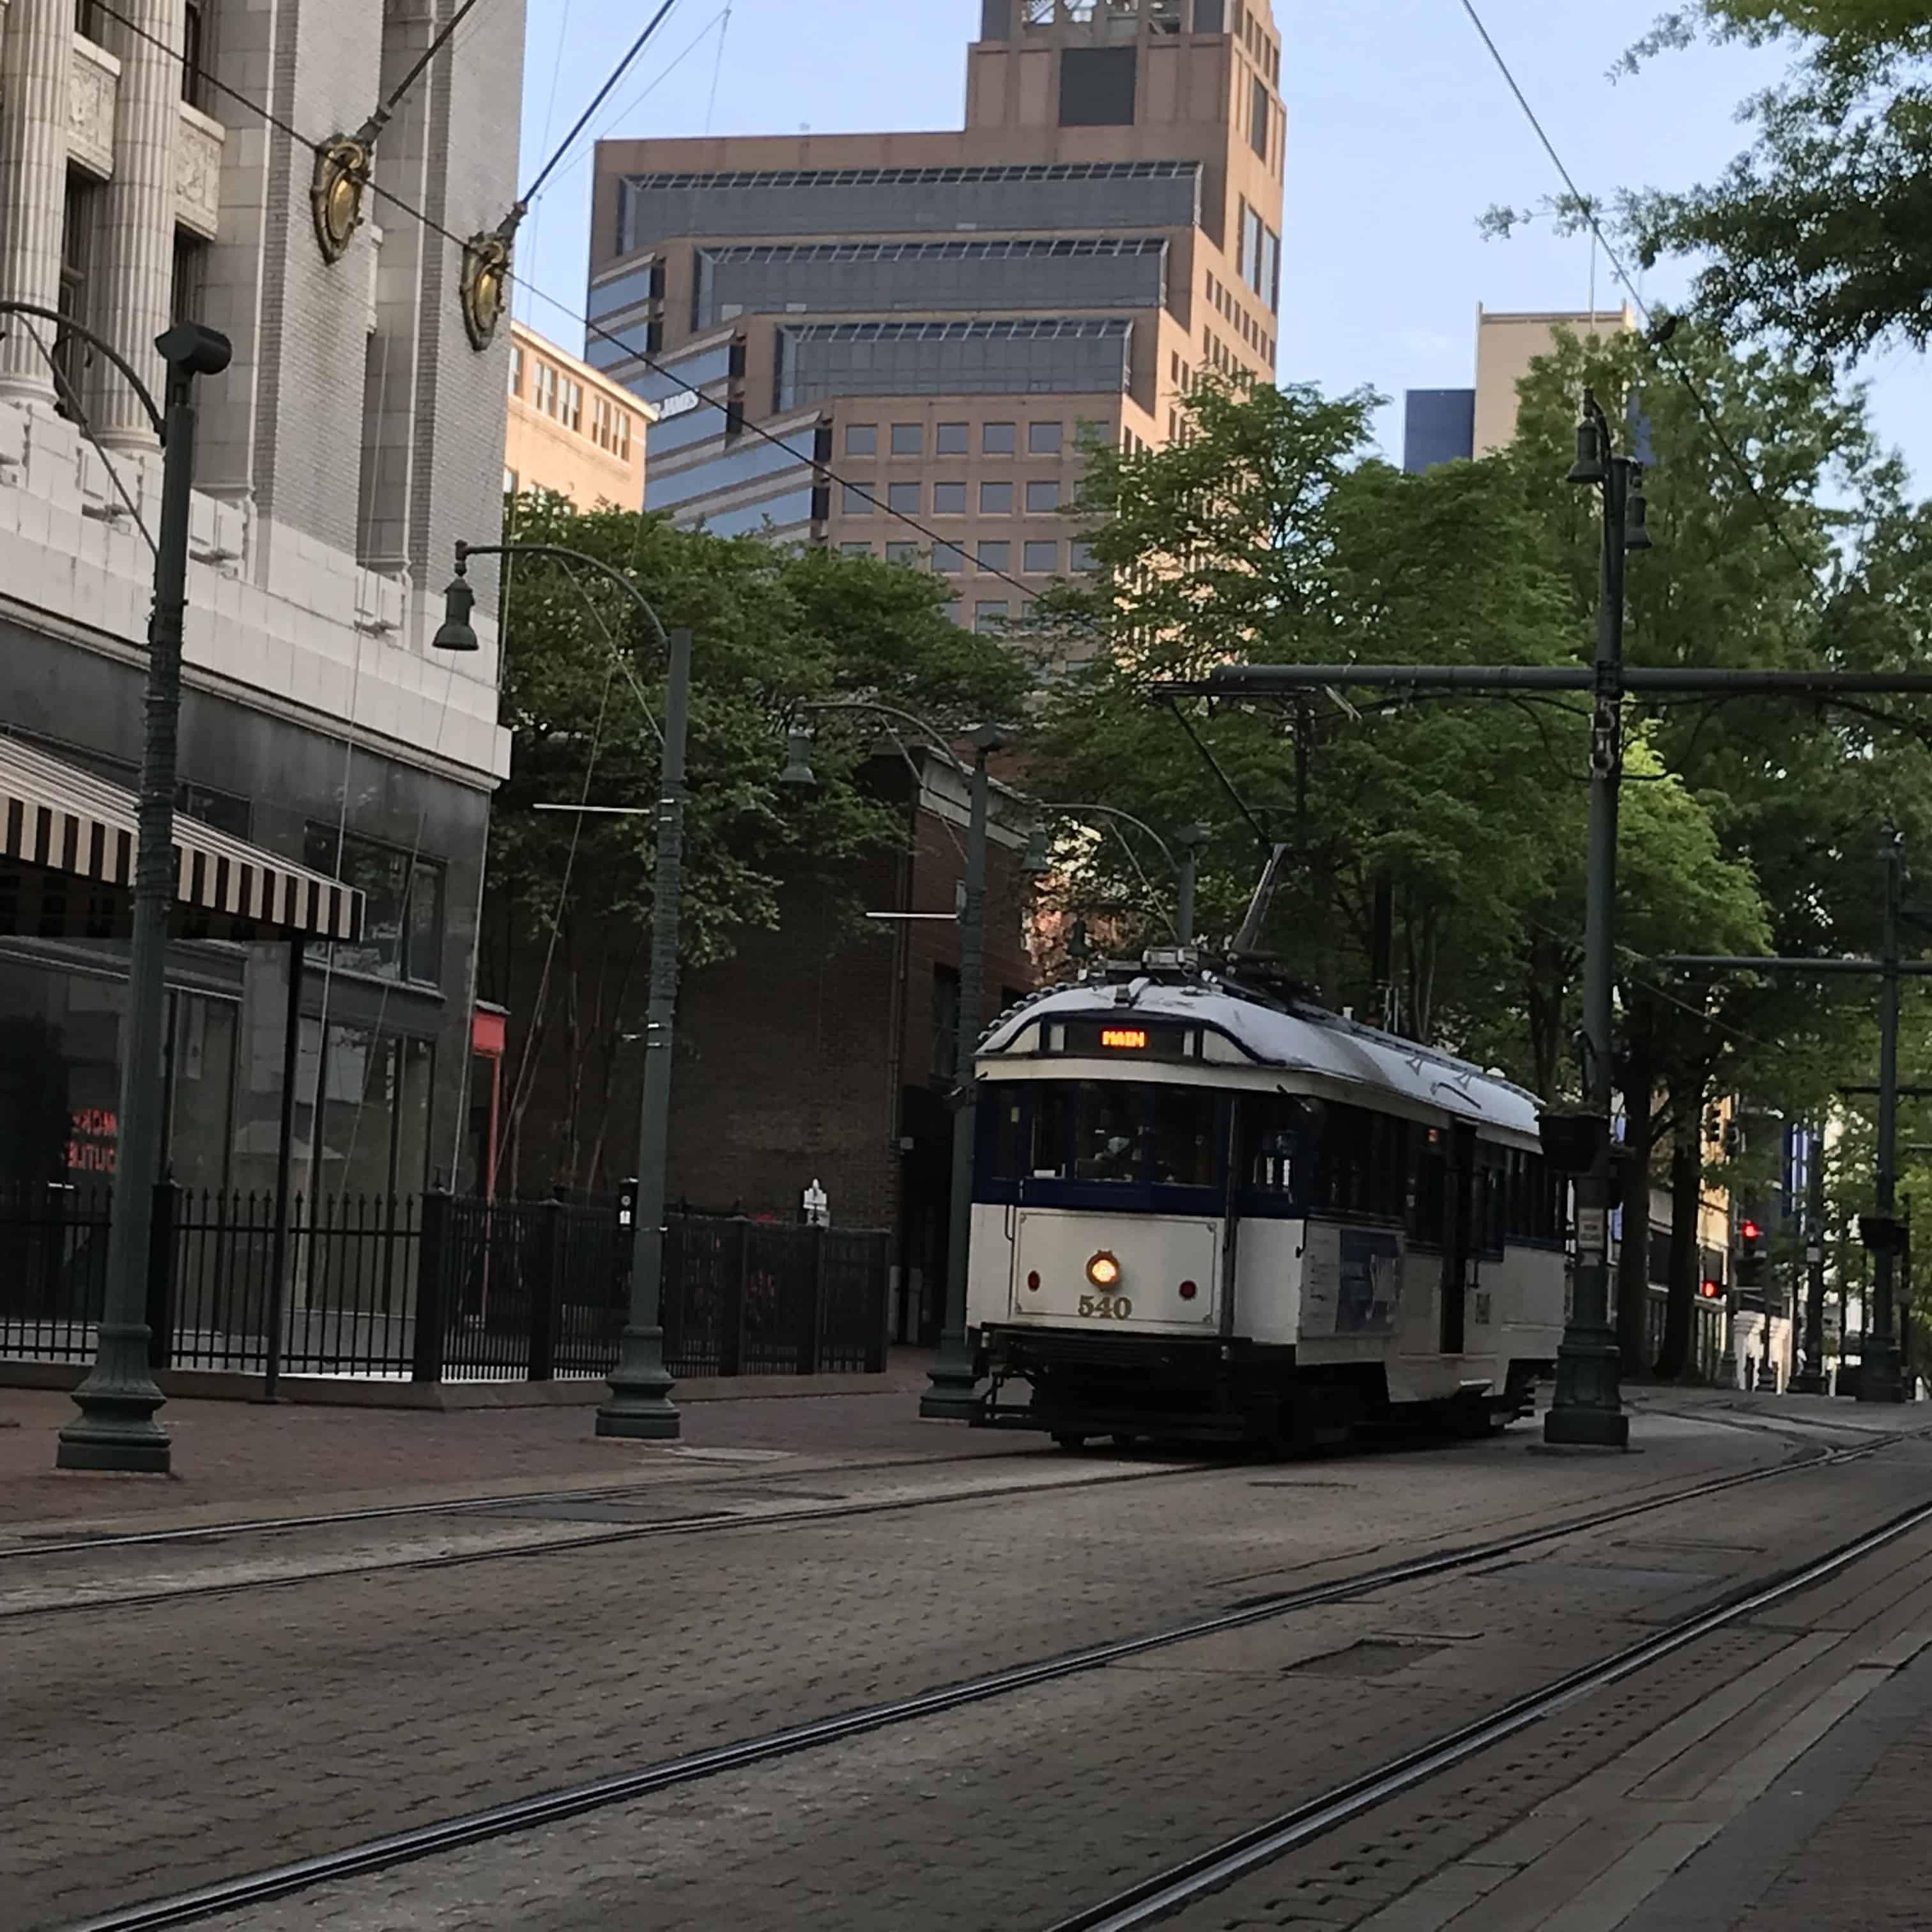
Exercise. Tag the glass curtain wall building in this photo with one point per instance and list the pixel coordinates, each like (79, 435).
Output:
(949, 321)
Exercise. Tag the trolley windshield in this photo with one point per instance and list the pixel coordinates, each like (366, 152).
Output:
(1128, 1133)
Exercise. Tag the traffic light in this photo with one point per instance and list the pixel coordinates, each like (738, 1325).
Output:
(1753, 1261)
(1710, 1290)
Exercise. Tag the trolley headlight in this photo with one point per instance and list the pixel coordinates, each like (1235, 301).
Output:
(1103, 1270)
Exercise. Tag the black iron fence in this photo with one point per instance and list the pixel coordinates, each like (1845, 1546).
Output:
(437, 1287)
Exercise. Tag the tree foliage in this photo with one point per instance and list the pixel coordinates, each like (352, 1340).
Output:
(566, 925)
(1270, 535)
(1820, 233)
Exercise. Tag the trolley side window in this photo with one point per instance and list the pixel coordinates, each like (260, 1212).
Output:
(1006, 1131)
(1181, 1136)
(1535, 1212)
(1278, 1152)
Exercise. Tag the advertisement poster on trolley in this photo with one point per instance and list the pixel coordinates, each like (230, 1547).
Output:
(1351, 1281)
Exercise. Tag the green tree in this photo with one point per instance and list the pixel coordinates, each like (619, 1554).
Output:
(1269, 536)
(1818, 233)
(1831, 574)
(566, 921)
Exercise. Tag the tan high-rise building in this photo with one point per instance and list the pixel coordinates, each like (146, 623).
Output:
(570, 429)
(1443, 425)
(944, 319)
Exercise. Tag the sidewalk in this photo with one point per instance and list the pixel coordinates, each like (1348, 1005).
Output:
(236, 1459)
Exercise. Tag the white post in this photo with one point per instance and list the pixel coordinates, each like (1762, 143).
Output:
(35, 57)
(137, 235)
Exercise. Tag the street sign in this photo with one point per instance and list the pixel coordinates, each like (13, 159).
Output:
(1591, 1231)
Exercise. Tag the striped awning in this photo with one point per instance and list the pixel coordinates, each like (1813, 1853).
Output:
(66, 867)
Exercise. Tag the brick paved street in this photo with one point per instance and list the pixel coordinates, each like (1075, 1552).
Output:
(155, 1747)
(1017, 1813)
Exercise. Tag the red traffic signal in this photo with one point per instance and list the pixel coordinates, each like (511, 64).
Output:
(1711, 1291)
(1749, 1230)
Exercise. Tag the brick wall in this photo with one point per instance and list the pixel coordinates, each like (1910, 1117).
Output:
(808, 1055)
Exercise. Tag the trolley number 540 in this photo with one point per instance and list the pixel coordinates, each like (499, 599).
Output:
(1106, 1307)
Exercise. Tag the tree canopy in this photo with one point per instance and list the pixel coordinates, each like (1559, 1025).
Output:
(566, 923)
(1819, 233)
(1439, 846)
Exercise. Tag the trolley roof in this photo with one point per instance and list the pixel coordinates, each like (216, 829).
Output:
(1299, 1038)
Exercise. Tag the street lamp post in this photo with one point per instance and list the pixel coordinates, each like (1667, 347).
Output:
(116, 1428)
(639, 1405)
(1588, 1409)
(948, 1395)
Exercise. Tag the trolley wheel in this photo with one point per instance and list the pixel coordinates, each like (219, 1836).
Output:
(1066, 1438)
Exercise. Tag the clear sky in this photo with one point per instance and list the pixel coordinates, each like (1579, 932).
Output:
(1401, 133)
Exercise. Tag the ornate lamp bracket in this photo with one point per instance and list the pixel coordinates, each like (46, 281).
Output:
(341, 179)
(485, 288)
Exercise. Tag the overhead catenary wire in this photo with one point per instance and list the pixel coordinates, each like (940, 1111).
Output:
(657, 80)
(718, 68)
(597, 99)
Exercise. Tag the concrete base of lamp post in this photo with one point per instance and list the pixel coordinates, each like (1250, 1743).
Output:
(1879, 1376)
(116, 1429)
(640, 1408)
(1587, 1412)
(952, 1390)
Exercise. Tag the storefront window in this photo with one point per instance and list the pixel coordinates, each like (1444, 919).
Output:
(372, 1093)
(60, 1079)
(402, 930)
(201, 1079)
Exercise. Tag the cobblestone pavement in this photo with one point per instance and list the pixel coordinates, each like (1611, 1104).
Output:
(1016, 1812)
(219, 1735)
(234, 1458)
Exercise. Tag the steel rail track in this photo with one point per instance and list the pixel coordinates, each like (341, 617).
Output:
(464, 1505)
(699, 1522)
(548, 1808)
(1189, 1880)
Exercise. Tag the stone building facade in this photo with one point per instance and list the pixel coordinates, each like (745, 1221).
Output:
(156, 162)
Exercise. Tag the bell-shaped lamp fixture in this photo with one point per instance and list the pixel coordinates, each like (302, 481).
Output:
(1037, 861)
(1637, 517)
(1588, 467)
(455, 632)
(798, 772)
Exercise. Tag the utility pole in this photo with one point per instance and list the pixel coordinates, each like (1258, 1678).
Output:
(1190, 839)
(949, 1395)
(1878, 1374)
(1883, 1234)
(1589, 1409)
(1811, 1380)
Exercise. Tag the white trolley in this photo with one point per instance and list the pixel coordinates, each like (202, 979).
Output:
(1204, 1211)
